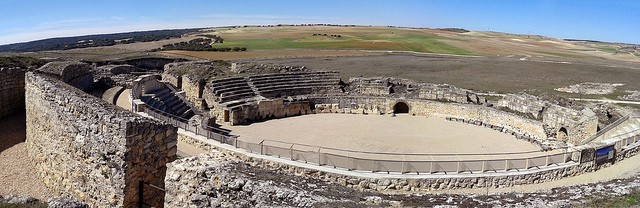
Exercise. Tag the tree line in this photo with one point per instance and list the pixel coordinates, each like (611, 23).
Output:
(200, 44)
(94, 40)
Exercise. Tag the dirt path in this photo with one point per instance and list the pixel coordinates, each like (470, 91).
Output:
(17, 175)
(187, 150)
(627, 168)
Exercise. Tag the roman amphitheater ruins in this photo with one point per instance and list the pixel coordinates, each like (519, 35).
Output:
(364, 133)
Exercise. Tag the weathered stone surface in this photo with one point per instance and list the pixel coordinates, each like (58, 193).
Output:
(211, 180)
(11, 90)
(65, 203)
(76, 74)
(87, 149)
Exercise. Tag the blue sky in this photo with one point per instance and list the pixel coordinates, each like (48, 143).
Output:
(615, 21)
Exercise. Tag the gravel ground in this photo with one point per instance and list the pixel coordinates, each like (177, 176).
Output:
(16, 170)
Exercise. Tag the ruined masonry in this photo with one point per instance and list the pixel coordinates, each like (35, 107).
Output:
(90, 150)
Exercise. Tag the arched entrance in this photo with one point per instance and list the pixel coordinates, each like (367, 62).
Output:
(562, 134)
(400, 107)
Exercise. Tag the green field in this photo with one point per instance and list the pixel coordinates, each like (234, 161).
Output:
(360, 38)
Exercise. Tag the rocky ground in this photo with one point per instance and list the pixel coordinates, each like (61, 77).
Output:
(590, 88)
(634, 96)
(221, 181)
(484, 74)
(26, 201)
(16, 170)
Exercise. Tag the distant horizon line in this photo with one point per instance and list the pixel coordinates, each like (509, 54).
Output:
(317, 24)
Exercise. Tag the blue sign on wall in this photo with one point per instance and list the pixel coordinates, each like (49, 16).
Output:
(605, 154)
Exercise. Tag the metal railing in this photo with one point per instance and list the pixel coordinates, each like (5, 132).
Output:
(606, 129)
(150, 195)
(377, 161)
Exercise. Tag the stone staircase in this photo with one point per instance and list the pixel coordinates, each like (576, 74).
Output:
(167, 101)
(623, 128)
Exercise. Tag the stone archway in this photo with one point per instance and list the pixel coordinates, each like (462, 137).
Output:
(562, 134)
(400, 107)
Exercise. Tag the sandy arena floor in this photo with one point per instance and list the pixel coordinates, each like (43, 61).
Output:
(401, 134)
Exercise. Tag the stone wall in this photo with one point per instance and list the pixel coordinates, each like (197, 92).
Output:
(448, 93)
(406, 88)
(175, 80)
(566, 125)
(523, 103)
(269, 109)
(218, 180)
(400, 183)
(193, 89)
(11, 91)
(375, 105)
(119, 69)
(569, 125)
(90, 150)
(145, 84)
(76, 74)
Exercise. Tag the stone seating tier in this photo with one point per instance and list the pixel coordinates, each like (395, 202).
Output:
(239, 91)
(231, 89)
(226, 81)
(235, 84)
(292, 77)
(288, 86)
(310, 81)
(293, 74)
(165, 101)
(236, 97)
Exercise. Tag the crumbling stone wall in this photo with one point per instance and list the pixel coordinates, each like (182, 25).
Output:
(11, 90)
(376, 106)
(370, 86)
(569, 125)
(449, 93)
(173, 79)
(76, 74)
(269, 109)
(406, 88)
(90, 150)
(193, 89)
(219, 180)
(182, 175)
(523, 103)
(480, 113)
(119, 69)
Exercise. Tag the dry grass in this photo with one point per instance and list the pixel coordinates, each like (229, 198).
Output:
(482, 74)
(266, 54)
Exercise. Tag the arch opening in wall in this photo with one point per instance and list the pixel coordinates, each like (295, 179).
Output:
(562, 134)
(400, 107)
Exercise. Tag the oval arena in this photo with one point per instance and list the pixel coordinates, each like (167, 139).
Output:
(375, 133)
(380, 125)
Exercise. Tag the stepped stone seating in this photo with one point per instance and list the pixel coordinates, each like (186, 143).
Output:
(166, 101)
(232, 91)
(297, 83)
(628, 128)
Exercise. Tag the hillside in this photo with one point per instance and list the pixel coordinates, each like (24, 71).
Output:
(87, 41)
(330, 41)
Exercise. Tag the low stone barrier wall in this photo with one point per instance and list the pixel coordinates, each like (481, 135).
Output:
(87, 149)
(375, 105)
(443, 182)
(11, 90)
(523, 136)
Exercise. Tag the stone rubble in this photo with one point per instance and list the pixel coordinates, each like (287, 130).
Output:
(217, 179)
(590, 88)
